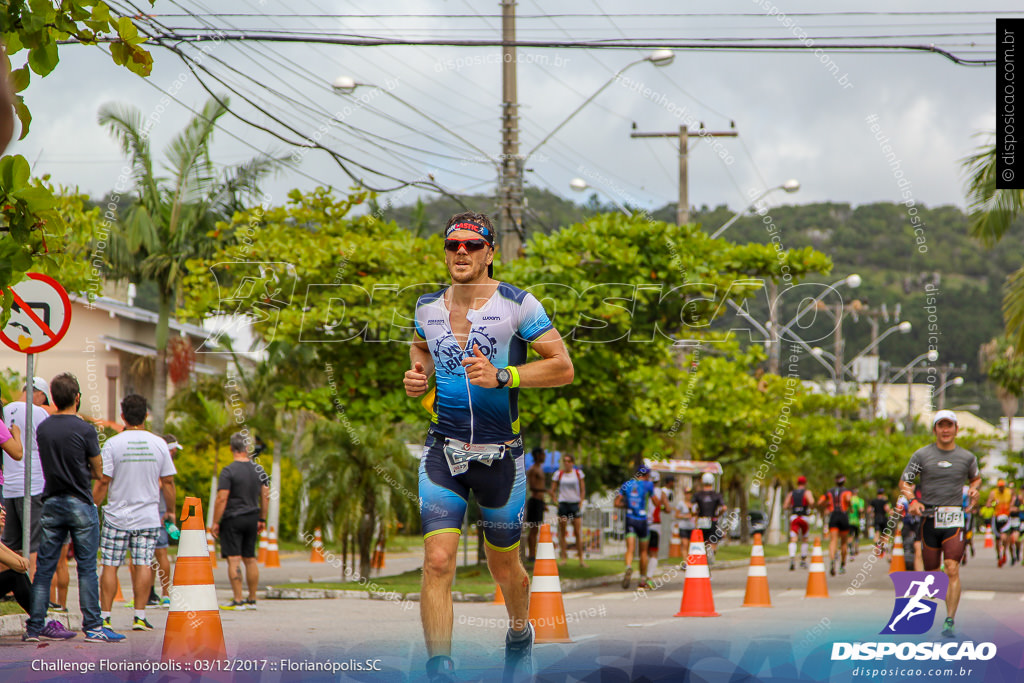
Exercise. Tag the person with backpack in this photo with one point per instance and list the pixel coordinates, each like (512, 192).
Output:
(836, 505)
(568, 489)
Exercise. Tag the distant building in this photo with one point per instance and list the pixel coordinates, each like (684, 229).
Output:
(111, 348)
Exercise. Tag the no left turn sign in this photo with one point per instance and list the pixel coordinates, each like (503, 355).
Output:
(40, 315)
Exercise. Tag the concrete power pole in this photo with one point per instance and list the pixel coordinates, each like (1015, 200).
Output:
(683, 210)
(510, 183)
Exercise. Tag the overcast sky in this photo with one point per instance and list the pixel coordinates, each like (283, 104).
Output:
(794, 117)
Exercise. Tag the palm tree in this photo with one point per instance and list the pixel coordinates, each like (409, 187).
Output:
(993, 213)
(365, 480)
(173, 217)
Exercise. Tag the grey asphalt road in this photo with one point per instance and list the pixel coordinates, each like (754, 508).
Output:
(621, 630)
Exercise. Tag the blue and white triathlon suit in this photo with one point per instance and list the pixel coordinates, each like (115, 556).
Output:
(467, 414)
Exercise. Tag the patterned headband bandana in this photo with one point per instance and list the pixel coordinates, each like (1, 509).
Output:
(473, 227)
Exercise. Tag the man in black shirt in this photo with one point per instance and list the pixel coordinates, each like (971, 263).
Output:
(880, 521)
(708, 505)
(69, 452)
(239, 516)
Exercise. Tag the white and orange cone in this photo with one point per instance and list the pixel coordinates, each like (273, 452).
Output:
(261, 554)
(193, 630)
(675, 546)
(898, 562)
(273, 558)
(989, 540)
(316, 556)
(757, 578)
(697, 600)
(547, 609)
(212, 549)
(817, 585)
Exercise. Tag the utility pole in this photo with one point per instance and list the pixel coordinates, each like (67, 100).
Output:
(510, 182)
(683, 210)
(945, 370)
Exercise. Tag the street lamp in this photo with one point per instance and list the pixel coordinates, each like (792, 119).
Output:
(662, 57)
(955, 382)
(903, 328)
(790, 186)
(346, 85)
(931, 356)
(852, 281)
(581, 185)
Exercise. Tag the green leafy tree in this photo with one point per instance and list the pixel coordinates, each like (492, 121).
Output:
(30, 220)
(174, 218)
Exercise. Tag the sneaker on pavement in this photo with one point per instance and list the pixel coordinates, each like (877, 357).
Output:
(947, 628)
(235, 605)
(102, 635)
(141, 625)
(165, 602)
(54, 607)
(792, 564)
(27, 637)
(54, 630)
(250, 604)
(626, 577)
(153, 602)
(440, 669)
(518, 657)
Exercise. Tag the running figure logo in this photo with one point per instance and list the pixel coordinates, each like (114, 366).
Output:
(916, 596)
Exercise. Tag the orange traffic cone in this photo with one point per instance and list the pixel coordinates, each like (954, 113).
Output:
(817, 585)
(989, 540)
(757, 578)
(273, 559)
(193, 628)
(120, 596)
(499, 599)
(697, 598)
(261, 555)
(547, 610)
(675, 546)
(212, 548)
(898, 562)
(317, 554)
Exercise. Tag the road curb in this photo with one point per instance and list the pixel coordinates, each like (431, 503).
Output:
(568, 586)
(14, 624)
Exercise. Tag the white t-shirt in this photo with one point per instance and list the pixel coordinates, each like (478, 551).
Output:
(14, 470)
(135, 460)
(569, 485)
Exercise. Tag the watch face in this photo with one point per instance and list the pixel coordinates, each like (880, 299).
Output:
(504, 376)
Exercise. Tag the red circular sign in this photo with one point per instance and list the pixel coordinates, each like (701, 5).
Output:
(40, 316)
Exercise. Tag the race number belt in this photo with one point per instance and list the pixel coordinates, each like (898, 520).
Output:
(949, 517)
(459, 454)
(704, 522)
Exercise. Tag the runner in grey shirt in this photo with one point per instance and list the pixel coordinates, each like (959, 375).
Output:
(943, 467)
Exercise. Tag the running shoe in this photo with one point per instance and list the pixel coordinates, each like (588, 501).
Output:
(106, 622)
(236, 606)
(153, 601)
(645, 585)
(842, 569)
(141, 625)
(792, 565)
(803, 563)
(27, 637)
(518, 657)
(54, 630)
(250, 604)
(1002, 561)
(54, 607)
(440, 669)
(832, 568)
(626, 577)
(102, 635)
(947, 628)
(165, 602)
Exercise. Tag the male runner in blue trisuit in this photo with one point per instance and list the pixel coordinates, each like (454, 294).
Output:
(473, 337)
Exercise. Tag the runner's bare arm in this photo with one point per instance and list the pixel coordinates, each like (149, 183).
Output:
(972, 494)
(422, 367)
(554, 369)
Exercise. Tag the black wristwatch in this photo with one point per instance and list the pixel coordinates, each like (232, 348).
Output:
(504, 377)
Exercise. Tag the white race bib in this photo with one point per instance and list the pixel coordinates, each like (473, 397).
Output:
(949, 517)
(703, 522)
(459, 454)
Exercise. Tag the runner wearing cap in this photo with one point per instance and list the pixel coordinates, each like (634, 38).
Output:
(1001, 501)
(633, 495)
(835, 503)
(709, 506)
(943, 467)
(799, 502)
(473, 337)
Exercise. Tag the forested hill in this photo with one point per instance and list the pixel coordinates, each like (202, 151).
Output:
(876, 241)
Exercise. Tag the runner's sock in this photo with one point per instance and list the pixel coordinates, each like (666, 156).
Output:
(140, 614)
(792, 550)
(517, 636)
(104, 615)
